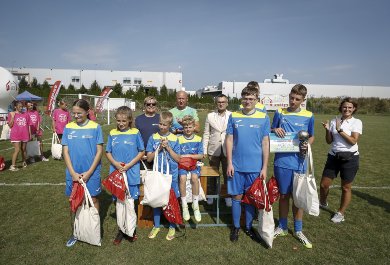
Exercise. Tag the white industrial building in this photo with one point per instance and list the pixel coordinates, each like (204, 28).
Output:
(79, 77)
(274, 92)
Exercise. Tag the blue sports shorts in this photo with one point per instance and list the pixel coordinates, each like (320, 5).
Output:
(93, 186)
(285, 178)
(240, 182)
(184, 172)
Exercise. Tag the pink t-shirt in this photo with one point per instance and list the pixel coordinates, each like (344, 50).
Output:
(61, 118)
(35, 120)
(19, 131)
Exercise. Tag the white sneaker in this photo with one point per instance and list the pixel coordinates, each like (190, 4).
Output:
(44, 159)
(280, 232)
(324, 206)
(210, 201)
(13, 168)
(186, 213)
(228, 202)
(197, 215)
(301, 237)
(337, 218)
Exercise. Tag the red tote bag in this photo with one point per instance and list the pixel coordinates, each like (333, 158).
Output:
(77, 196)
(273, 190)
(115, 184)
(187, 163)
(255, 195)
(172, 210)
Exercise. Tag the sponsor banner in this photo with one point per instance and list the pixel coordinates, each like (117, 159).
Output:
(55, 89)
(103, 96)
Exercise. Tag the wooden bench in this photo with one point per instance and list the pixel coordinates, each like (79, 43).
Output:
(145, 213)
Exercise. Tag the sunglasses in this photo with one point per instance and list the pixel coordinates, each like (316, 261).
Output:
(150, 104)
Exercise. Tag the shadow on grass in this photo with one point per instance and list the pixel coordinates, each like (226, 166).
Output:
(105, 200)
(373, 200)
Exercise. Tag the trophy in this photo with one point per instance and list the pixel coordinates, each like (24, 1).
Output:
(303, 137)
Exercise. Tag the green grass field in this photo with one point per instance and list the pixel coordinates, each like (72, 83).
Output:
(35, 221)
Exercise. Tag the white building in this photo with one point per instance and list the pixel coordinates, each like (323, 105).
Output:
(79, 77)
(274, 92)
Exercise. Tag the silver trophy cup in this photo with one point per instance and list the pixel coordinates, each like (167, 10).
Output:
(303, 137)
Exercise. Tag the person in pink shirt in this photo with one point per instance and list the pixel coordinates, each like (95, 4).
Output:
(20, 133)
(35, 127)
(61, 117)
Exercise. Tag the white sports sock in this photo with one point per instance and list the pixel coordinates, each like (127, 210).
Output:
(184, 201)
(195, 200)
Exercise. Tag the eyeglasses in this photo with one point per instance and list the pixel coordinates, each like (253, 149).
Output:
(150, 104)
(248, 99)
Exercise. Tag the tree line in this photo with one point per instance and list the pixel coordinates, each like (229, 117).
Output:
(167, 98)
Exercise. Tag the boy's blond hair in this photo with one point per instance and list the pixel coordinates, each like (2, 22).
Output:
(166, 116)
(187, 120)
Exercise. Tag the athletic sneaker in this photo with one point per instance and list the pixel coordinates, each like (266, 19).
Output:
(197, 215)
(324, 206)
(13, 168)
(44, 159)
(210, 201)
(251, 233)
(154, 232)
(301, 237)
(118, 239)
(228, 202)
(24, 164)
(32, 160)
(171, 234)
(234, 234)
(186, 213)
(280, 232)
(72, 240)
(338, 218)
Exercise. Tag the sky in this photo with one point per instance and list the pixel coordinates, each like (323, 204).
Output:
(344, 42)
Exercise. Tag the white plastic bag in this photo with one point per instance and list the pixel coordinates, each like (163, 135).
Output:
(266, 221)
(202, 196)
(87, 221)
(126, 218)
(305, 189)
(157, 184)
(56, 147)
(33, 149)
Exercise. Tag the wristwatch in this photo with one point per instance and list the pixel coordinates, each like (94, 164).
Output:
(340, 130)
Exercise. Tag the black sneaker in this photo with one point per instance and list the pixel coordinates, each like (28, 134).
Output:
(251, 233)
(133, 238)
(234, 234)
(118, 239)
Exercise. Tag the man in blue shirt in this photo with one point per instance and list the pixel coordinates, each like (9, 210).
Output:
(247, 152)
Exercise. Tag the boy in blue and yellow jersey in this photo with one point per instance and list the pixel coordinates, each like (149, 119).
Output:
(82, 149)
(124, 150)
(259, 107)
(291, 119)
(190, 146)
(169, 144)
(247, 152)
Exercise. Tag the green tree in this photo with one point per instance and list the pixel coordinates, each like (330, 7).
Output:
(118, 89)
(23, 85)
(82, 90)
(71, 89)
(95, 89)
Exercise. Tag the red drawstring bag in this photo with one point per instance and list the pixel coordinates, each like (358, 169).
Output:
(2, 163)
(77, 196)
(172, 210)
(187, 163)
(273, 190)
(255, 195)
(115, 184)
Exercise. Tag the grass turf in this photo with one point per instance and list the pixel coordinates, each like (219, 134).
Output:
(35, 221)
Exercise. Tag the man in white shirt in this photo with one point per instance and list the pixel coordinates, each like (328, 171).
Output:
(214, 141)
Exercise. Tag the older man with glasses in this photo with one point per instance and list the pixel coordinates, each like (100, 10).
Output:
(214, 142)
(147, 123)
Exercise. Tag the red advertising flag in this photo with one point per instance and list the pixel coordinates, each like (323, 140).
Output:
(103, 96)
(55, 89)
